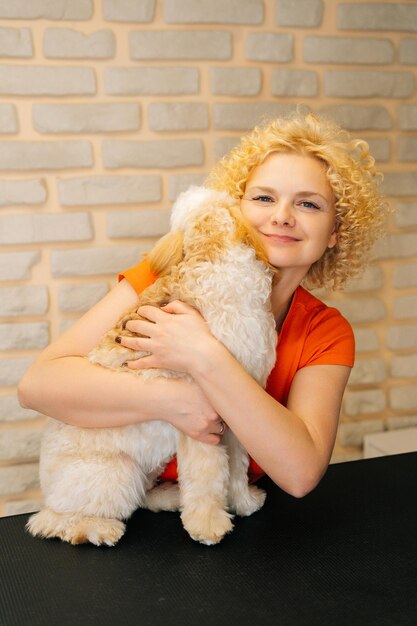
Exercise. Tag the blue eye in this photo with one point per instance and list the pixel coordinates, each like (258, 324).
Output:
(263, 199)
(309, 205)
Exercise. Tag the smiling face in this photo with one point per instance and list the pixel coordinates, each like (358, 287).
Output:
(290, 202)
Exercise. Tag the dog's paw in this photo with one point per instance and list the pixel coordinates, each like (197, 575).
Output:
(247, 501)
(76, 528)
(207, 525)
(163, 497)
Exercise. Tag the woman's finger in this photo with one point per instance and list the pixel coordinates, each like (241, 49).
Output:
(134, 343)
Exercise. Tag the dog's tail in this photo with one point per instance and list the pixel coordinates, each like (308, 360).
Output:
(168, 251)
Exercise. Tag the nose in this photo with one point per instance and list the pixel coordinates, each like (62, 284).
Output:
(283, 214)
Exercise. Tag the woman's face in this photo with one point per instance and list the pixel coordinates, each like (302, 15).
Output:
(289, 201)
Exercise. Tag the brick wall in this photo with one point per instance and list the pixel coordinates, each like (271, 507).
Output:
(109, 108)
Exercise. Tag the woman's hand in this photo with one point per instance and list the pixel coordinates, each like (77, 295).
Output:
(175, 337)
(194, 416)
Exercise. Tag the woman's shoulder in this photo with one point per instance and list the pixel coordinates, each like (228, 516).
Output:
(307, 305)
(324, 335)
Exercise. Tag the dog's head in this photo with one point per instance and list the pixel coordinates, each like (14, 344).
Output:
(204, 222)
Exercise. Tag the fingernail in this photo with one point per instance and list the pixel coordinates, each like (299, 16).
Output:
(118, 340)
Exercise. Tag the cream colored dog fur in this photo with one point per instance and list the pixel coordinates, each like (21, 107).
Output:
(93, 479)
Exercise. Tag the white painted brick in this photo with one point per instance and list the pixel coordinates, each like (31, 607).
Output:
(244, 116)
(407, 116)
(95, 261)
(19, 507)
(20, 80)
(401, 337)
(360, 309)
(143, 223)
(401, 421)
(103, 190)
(235, 81)
(223, 145)
(352, 433)
(368, 372)
(405, 275)
(305, 13)
(11, 411)
(16, 42)
(368, 84)
(404, 397)
(358, 117)
(24, 336)
(180, 182)
(85, 118)
(8, 119)
(49, 155)
(180, 44)
(408, 51)
(27, 300)
(397, 245)
(301, 83)
(12, 370)
(167, 116)
(213, 11)
(348, 50)
(370, 280)
(407, 149)
(19, 444)
(17, 265)
(79, 298)
(364, 402)
(400, 183)
(269, 47)
(66, 43)
(45, 227)
(166, 154)
(404, 366)
(45, 9)
(128, 11)
(406, 215)
(159, 81)
(22, 192)
(379, 147)
(377, 16)
(405, 307)
(366, 340)
(18, 478)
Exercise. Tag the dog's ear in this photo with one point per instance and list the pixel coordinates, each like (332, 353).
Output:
(168, 251)
(248, 235)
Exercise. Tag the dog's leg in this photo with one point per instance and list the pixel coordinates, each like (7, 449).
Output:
(86, 498)
(203, 475)
(243, 499)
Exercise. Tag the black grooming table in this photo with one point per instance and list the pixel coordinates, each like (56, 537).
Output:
(344, 554)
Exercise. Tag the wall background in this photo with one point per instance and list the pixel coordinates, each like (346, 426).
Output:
(109, 108)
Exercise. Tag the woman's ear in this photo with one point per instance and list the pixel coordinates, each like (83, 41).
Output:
(333, 238)
(168, 251)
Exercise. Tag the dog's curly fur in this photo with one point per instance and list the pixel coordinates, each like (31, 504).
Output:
(92, 479)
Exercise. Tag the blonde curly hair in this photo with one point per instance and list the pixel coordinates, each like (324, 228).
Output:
(360, 208)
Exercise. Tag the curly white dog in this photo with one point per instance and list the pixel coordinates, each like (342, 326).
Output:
(92, 479)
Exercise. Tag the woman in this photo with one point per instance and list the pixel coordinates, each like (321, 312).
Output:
(311, 194)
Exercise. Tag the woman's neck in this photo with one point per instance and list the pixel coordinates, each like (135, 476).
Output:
(281, 297)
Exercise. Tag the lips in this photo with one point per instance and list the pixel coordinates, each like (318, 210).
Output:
(280, 238)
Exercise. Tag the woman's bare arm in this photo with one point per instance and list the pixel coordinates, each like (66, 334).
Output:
(63, 384)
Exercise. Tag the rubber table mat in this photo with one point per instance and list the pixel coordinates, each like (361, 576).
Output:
(344, 554)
